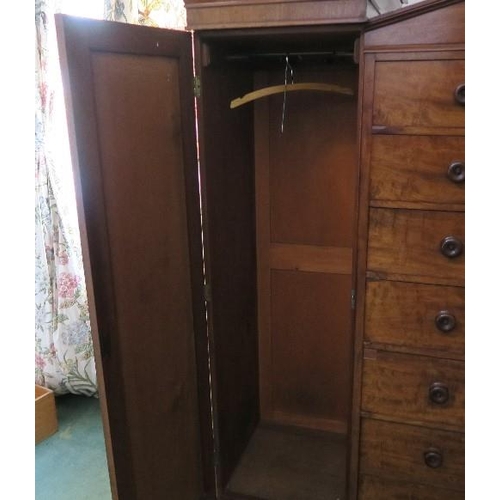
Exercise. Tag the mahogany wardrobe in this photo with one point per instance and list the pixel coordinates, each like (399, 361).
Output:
(275, 273)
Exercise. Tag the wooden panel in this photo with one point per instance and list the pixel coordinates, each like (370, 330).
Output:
(404, 315)
(397, 386)
(310, 344)
(444, 25)
(311, 258)
(45, 413)
(396, 451)
(367, 72)
(417, 205)
(283, 464)
(209, 14)
(297, 322)
(229, 207)
(415, 169)
(133, 146)
(263, 236)
(313, 163)
(418, 130)
(158, 367)
(408, 242)
(418, 93)
(376, 488)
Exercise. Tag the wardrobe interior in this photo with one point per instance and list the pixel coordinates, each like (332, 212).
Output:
(279, 206)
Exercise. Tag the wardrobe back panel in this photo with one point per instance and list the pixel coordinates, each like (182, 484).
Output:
(312, 174)
(305, 182)
(310, 339)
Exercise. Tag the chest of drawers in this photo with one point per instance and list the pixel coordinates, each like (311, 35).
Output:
(410, 321)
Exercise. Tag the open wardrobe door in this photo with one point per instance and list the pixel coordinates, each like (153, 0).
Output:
(132, 130)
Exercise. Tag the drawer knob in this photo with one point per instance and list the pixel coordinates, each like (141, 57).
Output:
(451, 247)
(439, 393)
(433, 458)
(460, 94)
(445, 321)
(456, 171)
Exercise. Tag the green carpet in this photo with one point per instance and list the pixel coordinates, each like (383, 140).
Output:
(71, 464)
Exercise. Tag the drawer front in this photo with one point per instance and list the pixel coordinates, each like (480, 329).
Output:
(375, 488)
(416, 316)
(418, 169)
(411, 453)
(419, 389)
(418, 93)
(416, 242)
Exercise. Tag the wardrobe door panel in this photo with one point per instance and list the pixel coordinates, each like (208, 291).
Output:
(133, 148)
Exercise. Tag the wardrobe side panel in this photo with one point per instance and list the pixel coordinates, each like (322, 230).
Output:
(227, 176)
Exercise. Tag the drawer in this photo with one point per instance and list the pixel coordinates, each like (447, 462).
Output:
(418, 169)
(375, 488)
(410, 453)
(416, 316)
(418, 93)
(417, 242)
(411, 388)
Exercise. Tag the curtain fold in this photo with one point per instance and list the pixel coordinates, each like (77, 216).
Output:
(156, 13)
(64, 357)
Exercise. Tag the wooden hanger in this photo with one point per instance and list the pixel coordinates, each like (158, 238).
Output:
(278, 89)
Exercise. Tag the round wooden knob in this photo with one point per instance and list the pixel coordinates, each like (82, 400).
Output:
(451, 247)
(460, 94)
(445, 321)
(433, 458)
(439, 393)
(456, 171)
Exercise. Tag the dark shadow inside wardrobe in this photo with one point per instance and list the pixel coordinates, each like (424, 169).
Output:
(279, 210)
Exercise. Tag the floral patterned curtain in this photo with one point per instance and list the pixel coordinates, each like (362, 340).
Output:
(157, 13)
(64, 358)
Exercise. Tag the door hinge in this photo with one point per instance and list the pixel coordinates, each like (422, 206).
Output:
(356, 51)
(196, 86)
(353, 299)
(207, 292)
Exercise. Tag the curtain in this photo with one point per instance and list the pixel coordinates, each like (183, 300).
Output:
(64, 356)
(157, 13)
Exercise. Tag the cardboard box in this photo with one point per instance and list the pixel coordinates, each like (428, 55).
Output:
(45, 413)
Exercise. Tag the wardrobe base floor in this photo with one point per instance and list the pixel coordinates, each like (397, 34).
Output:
(284, 464)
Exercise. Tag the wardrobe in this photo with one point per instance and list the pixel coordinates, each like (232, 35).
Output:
(276, 287)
